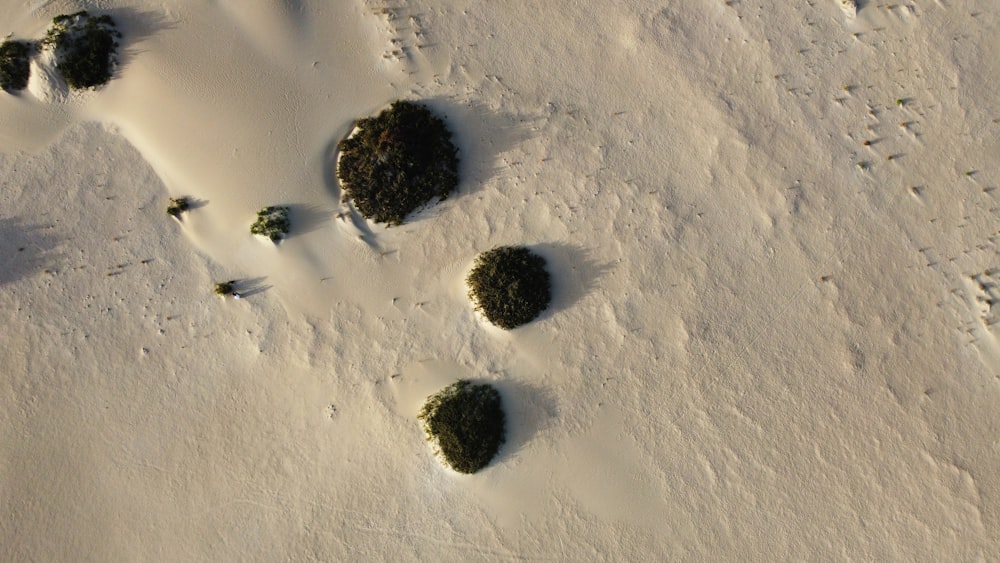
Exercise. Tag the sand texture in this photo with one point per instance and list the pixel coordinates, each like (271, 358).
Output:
(773, 230)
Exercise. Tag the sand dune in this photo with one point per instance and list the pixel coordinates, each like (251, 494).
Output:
(772, 229)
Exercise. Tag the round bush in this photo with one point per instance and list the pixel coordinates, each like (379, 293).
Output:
(397, 161)
(466, 424)
(85, 48)
(14, 66)
(509, 285)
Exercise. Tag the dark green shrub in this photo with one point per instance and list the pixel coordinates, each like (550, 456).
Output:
(397, 161)
(466, 424)
(177, 206)
(509, 285)
(85, 48)
(225, 288)
(14, 66)
(272, 222)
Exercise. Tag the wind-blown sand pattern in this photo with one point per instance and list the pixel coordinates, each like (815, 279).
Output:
(773, 234)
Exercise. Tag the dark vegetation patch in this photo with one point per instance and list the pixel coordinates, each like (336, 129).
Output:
(272, 222)
(85, 48)
(178, 206)
(510, 285)
(225, 288)
(14, 64)
(397, 161)
(466, 423)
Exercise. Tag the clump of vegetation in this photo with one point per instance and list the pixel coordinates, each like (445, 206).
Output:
(397, 161)
(14, 66)
(466, 424)
(85, 48)
(509, 285)
(225, 288)
(272, 222)
(177, 206)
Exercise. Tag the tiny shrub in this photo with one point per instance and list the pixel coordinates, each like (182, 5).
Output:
(225, 288)
(272, 222)
(177, 206)
(397, 161)
(85, 48)
(509, 285)
(14, 66)
(466, 424)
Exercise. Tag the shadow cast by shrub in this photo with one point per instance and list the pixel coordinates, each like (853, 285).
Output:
(25, 248)
(530, 409)
(195, 203)
(250, 286)
(135, 27)
(573, 273)
(481, 135)
(305, 218)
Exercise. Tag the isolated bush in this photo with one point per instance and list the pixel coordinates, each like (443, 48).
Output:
(85, 48)
(272, 222)
(14, 66)
(397, 161)
(225, 288)
(509, 285)
(177, 206)
(466, 424)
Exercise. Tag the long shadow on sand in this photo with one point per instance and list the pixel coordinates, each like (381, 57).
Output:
(135, 26)
(25, 248)
(481, 136)
(529, 409)
(250, 287)
(574, 274)
(306, 218)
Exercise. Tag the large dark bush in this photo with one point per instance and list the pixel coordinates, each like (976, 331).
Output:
(85, 48)
(466, 424)
(14, 65)
(397, 161)
(509, 285)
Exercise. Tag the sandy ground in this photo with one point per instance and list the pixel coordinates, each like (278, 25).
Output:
(773, 229)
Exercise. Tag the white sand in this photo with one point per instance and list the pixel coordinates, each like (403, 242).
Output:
(758, 349)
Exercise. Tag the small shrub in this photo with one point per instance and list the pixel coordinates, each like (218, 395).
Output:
(397, 161)
(14, 66)
(466, 424)
(272, 222)
(509, 285)
(177, 206)
(85, 48)
(225, 288)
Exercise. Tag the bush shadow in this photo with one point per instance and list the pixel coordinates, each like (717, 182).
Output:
(574, 274)
(530, 409)
(250, 286)
(135, 26)
(481, 135)
(195, 203)
(305, 218)
(25, 248)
